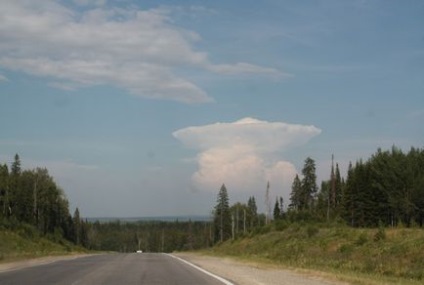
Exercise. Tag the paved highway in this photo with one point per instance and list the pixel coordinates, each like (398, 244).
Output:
(112, 269)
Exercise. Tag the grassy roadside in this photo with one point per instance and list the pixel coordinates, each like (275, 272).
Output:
(357, 256)
(16, 245)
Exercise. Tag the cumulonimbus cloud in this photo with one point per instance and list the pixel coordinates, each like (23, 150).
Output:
(137, 50)
(244, 154)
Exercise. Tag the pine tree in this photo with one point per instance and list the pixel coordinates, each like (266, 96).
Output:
(16, 166)
(77, 227)
(309, 185)
(222, 216)
(281, 207)
(4, 190)
(277, 210)
(14, 188)
(252, 214)
(267, 204)
(339, 189)
(295, 195)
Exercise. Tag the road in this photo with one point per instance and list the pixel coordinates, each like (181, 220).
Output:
(112, 269)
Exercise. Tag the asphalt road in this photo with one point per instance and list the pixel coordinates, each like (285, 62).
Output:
(112, 269)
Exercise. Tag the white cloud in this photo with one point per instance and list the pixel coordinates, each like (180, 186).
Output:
(3, 78)
(137, 50)
(244, 154)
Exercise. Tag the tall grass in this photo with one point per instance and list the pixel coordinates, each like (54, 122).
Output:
(21, 241)
(392, 254)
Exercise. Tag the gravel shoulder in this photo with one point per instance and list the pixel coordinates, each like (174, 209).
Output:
(249, 273)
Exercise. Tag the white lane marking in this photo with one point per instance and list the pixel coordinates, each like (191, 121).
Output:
(226, 282)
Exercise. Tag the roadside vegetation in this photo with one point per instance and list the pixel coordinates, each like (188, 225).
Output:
(356, 255)
(367, 227)
(34, 215)
(23, 241)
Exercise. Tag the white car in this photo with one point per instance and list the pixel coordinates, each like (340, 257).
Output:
(139, 251)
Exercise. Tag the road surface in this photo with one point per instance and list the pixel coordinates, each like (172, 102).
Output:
(112, 269)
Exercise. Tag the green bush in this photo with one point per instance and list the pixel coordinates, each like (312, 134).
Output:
(312, 231)
(380, 234)
(362, 239)
(280, 225)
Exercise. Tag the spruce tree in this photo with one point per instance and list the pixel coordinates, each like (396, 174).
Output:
(222, 216)
(4, 190)
(15, 172)
(277, 210)
(295, 195)
(252, 214)
(77, 227)
(309, 185)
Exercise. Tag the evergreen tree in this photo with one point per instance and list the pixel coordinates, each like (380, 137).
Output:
(281, 207)
(295, 195)
(339, 189)
(222, 216)
(4, 190)
(240, 213)
(252, 212)
(77, 227)
(16, 166)
(309, 186)
(267, 204)
(323, 201)
(14, 188)
(277, 210)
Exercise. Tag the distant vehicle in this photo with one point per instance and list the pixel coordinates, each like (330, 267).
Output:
(139, 251)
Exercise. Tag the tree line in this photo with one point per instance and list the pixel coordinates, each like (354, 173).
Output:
(385, 190)
(149, 236)
(32, 197)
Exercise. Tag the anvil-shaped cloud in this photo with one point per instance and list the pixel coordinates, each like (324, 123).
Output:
(244, 154)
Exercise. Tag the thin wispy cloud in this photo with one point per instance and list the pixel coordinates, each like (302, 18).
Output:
(137, 50)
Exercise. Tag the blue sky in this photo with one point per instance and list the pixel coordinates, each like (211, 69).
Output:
(144, 108)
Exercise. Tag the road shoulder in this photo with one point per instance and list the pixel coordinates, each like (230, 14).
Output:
(16, 265)
(244, 273)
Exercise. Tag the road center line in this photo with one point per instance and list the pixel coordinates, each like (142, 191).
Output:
(226, 282)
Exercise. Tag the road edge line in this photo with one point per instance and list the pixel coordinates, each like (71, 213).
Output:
(226, 282)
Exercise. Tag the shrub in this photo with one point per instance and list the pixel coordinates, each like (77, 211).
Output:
(280, 225)
(380, 234)
(312, 231)
(362, 239)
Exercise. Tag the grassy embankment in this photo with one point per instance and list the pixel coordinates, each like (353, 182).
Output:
(25, 242)
(358, 256)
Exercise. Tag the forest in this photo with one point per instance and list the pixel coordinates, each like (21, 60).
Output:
(385, 190)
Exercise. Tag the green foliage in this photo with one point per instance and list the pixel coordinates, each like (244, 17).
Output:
(362, 239)
(20, 240)
(222, 216)
(389, 187)
(339, 249)
(149, 236)
(31, 201)
(312, 231)
(296, 194)
(380, 234)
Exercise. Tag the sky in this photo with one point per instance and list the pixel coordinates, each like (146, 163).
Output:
(145, 108)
